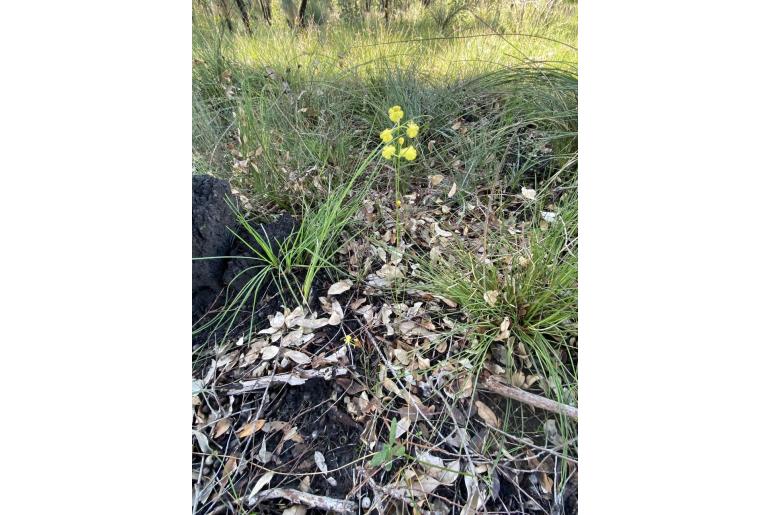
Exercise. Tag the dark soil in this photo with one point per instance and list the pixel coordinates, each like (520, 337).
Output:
(213, 280)
(211, 217)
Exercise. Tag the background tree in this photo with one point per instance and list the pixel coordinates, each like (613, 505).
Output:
(244, 14)
(302, 9)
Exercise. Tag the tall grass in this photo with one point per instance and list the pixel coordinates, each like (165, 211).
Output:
(291, 265)
(297, 105)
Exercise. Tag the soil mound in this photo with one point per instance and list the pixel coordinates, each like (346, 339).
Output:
(212, 221)
(211, 216)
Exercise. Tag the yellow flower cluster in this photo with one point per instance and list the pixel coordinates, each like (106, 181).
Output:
(398, 150)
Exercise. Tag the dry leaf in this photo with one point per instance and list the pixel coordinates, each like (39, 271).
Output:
(452, 190)
(435, 180)
(221, 427)
(269, 352)
(230, 465)
(486, 413)
(337, 314)
(295, 509)
(313, 323)
(402, 356)
(296, 356)
(490, 297)
(320, 462)
(546, 483)
(527, 193)
(291, 339)
(250, 428)
(504, 330)
(261, 483)
(340, 287)
(440, 232)
(277, 321)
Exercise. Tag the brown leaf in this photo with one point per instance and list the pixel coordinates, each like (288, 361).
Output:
(221, 427)
(250, 428)
(435, 180)
(486, 413)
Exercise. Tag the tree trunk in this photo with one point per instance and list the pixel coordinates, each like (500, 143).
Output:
(386, 9)
(302, 8)
(267, 13)
(244, 14)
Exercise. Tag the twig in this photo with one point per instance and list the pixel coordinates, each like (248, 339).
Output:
(313, 501)
(294, 378)
(537, 401)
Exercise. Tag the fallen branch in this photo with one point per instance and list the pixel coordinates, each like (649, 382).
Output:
(511, 392)
(310, 500)
(293, 378)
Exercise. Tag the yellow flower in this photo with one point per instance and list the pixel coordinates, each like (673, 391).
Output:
(412, 129)
(348, 339)
(386, 135)
(400, 141)
(389, 151)
(408, 153)
(395, 114)
(398, 203)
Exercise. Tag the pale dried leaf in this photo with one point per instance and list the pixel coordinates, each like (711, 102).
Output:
(203, 442)
(402, 426)
(490, 297)
(340, 287)
(449, 475)
(277, 320)
(296, 356)
(320, 462)
(441, 232)
(261, 483)
(270, 352)
(548, 216)
(528, 193)
(504, 330)
(313, 323)
(337, 313)
(402, 356)
(452, 190)
(292, 338)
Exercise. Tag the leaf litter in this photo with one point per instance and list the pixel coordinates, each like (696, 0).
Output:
(295, 414)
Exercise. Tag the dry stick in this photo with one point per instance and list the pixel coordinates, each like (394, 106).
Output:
(293, 378)
(313, 501)
(537, 401)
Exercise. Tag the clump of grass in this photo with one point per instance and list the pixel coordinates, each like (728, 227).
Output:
(293, 264)
(525, 286)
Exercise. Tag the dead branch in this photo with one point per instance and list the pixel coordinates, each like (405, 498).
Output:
(511, 392)
(293, 378)
(305, 499)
